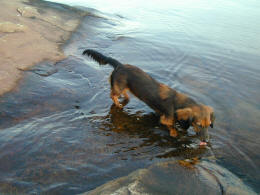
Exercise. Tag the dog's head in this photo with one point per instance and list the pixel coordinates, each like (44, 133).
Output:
(200, 117)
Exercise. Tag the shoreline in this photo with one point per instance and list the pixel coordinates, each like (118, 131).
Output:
(32, 32)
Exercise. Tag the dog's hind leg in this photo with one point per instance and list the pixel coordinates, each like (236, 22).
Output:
(114, 96)
(116, 91)
(118, 87)
(126, 97)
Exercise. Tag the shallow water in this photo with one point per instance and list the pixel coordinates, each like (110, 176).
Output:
(60, 134)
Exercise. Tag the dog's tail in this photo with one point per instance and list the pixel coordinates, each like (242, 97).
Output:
(101, 59)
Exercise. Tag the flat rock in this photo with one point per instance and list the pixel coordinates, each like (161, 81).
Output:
(9, 27)
(31, 32)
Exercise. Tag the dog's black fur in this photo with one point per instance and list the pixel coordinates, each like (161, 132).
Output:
(171, 105)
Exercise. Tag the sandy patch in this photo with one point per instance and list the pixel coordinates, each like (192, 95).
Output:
(30, 32)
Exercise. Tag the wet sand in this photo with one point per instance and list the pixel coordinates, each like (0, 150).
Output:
(31, 32)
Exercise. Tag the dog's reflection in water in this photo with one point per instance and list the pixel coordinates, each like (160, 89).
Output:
(148, 128)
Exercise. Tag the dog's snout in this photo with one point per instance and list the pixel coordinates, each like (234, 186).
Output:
(203, 135)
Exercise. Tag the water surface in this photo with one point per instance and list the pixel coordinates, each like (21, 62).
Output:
(60, 133)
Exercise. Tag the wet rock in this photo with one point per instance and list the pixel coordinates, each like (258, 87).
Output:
(45, 26)
(9, 27)
(173, 178)
(43, 69)
(227, 181)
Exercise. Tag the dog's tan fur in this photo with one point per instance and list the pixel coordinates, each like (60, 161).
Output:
(171, 105)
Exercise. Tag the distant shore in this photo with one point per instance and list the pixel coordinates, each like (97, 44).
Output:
(31, 32)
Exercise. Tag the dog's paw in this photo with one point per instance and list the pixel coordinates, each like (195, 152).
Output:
(173, 133)
(119, 106)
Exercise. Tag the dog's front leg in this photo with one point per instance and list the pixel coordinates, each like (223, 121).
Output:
(170, 123)
(173, 131)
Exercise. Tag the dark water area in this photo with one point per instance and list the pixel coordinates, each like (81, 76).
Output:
(61, 134)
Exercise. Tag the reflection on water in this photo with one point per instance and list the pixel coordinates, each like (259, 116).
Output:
(67, 138)
(59, 133)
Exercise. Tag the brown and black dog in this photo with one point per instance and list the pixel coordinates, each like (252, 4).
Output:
(171, 105)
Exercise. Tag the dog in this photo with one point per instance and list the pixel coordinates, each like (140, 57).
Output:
(171, 105)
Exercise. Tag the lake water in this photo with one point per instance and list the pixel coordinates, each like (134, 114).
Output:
(60, 134)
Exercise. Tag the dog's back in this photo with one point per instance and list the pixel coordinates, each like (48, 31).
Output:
(128, 77)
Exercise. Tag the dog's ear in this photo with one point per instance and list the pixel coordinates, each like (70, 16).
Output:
(211, 115)
(185, 114)
(212, 119)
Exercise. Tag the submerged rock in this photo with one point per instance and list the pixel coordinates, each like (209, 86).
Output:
(174, 178)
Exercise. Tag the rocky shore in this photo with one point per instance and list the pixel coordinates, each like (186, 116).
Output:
(31, 32)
